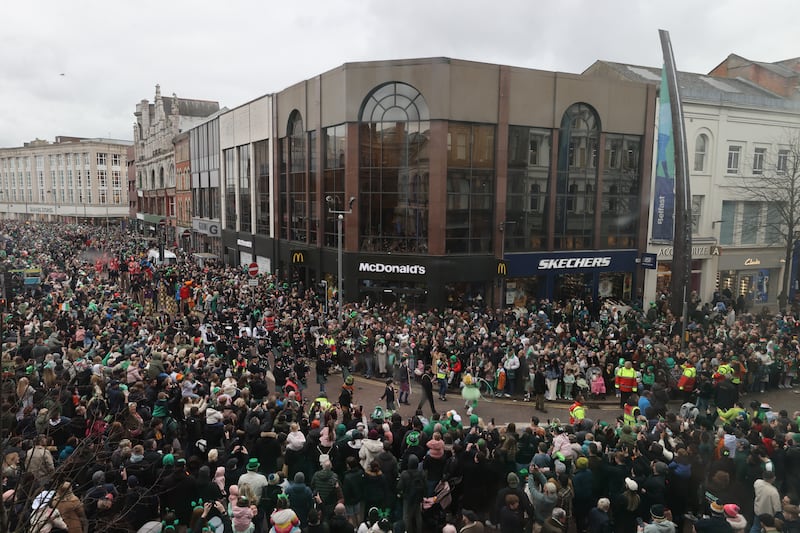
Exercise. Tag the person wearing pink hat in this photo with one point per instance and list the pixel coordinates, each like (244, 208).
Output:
(734, 518)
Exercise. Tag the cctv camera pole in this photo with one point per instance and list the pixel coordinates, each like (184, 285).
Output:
(339, 223)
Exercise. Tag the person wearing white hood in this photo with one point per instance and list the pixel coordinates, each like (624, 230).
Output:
(370, 449)
(44, 516)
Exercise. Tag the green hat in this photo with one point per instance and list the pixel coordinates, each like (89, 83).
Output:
(473, 420)
(349, 380)
(377, 413)
(560, 456)
(581, 463)
(253, 465)
(412, 439)
(353, 314)
(168, 460)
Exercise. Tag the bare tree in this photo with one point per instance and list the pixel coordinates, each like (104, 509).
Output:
(773, 180)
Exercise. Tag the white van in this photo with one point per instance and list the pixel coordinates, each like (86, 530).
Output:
(169, 257)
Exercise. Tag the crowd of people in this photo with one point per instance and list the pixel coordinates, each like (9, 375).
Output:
(139, 396)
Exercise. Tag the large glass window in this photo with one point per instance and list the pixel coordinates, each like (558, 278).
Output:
(751, 222)
(576, 180)
(244, 188)
(528, 176)
(294, 187)
(394, 171)
(335, 147)
(620, 193)
(230, 189)
(470, 188)
(261, 163)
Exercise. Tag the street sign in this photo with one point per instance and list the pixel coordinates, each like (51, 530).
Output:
(162, 222)
(252, 283)
(253, 269)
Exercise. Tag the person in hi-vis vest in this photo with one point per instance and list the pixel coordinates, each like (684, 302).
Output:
(625, 382)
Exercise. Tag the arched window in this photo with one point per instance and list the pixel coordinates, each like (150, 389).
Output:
(393, 176)
(293, 183)
(577, 171)
(160, 177)
(700, 152)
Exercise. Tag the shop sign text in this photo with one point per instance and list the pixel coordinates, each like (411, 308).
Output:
(382, 268)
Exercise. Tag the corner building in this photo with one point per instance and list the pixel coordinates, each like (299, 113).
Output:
(473, 184)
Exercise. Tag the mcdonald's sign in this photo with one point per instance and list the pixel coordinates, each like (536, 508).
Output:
(502, 268)
(298, 258)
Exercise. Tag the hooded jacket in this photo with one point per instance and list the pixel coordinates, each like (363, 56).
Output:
(664, 526)
(370, 449)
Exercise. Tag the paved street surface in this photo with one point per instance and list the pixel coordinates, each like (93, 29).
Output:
(503, 410)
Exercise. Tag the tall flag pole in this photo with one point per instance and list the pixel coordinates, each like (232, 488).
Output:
(682, 245)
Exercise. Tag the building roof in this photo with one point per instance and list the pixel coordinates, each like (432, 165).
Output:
(699, 87)
(189, 107)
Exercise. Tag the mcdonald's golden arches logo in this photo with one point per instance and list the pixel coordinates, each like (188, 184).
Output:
(298, 258)
(502, 268)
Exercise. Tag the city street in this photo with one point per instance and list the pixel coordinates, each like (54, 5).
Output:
(505, 410)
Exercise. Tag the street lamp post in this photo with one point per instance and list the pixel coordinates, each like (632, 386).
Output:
(324, 284)
(502, 282)
(340, 221)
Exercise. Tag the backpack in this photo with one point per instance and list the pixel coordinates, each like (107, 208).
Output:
(419, 487)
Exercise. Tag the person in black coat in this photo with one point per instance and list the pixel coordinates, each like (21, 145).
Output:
(726, 394)
(426, 381)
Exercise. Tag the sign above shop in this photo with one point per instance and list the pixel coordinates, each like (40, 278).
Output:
(699, 251)
(204, 227)
(649, 261)
(244, 244)
(383, 268)
(752, 261)
(574, 262)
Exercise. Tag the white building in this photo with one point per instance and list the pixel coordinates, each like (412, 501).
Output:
(70, 179)
(246, 143)
(734, 129)
(156, 126)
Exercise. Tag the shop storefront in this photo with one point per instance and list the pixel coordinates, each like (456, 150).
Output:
(206, 236)
(703, 272)
(416, 282)
(754, 274)
(566, 275)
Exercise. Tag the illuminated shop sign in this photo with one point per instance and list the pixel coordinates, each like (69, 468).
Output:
(382, 268)
(574, 262)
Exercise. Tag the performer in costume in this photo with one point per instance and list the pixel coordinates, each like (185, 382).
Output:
(470, 393)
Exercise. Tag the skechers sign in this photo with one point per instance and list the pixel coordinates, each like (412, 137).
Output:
(382, 268)
(574, 262)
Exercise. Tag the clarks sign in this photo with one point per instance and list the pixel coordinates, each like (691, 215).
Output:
(382, 268)
(574, 262)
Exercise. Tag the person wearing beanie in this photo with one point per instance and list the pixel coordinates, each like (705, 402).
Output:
(512, 487)
(659, 522)
(583, 492)
(734, 517)
(715, 522)
(544, 495)
(411, 488)
(301, 499)
(370, 449)
(626, 506)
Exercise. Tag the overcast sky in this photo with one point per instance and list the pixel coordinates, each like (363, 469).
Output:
(112, 53)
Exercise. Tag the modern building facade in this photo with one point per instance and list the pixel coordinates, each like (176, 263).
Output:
(204, 165)
(469, 183)
(71, 179)
(156, 126)
(735, 130)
